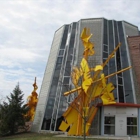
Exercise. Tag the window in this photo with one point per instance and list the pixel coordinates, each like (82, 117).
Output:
(61, 52)
(119, 80)
(105, 55)
(66, 80)
(105, 48)
(105, 70)
(121, 94)
(109, 125)
(105, 39)
(104, 60)
(131, 126)
(59, 59)
(63, 43)
(67, 71)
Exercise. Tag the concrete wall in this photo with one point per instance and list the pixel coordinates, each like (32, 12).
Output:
(45, 88)
(134, 49)
(121, 114)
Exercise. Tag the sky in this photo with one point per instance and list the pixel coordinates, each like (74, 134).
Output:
(27, 28)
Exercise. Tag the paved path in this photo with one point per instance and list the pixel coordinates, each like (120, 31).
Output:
(105, 137)
(117, 138)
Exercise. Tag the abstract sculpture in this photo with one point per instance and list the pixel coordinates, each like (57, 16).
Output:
(92, 90)
(32, 102)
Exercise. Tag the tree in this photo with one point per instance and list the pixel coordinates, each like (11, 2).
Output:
(12, 112)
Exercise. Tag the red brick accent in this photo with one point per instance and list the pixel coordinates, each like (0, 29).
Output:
(134, 49)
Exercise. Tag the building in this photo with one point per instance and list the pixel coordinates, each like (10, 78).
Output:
(134, 48)
(66, 51)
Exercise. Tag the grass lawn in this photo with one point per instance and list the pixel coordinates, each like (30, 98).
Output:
(36, 136)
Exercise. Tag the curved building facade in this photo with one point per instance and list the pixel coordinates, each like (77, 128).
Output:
(66, 52)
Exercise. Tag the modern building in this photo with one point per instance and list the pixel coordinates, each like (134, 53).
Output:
(121, 119)
(134, 48)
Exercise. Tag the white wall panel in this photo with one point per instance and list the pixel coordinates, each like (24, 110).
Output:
(43, 96)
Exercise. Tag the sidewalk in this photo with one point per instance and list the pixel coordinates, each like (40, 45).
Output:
(116, 138)
(103, 137)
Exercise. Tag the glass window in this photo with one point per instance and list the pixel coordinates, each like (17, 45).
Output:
(68, 64)
(118, 60)
(105, 41)
(131, 130)
(110, 120)
(124, 63)
(59, 59)
(104, 60)
(61, 52)
(110, 130)
(109, 125)
(128, 87)
(105, 55)
(56, 74)
(131, 121)
(131, 126)
(112, 67)
(66, 80)
(70, 57)
(65, 88)
(51, 101)
(105, 70)
(63, 43)
(116, 33)
(58, 66)
(119, 80)
(121, 94)
(119, 74)
(105, 48)
(67, 72)
(111, 37)
(70, 50)
(72, 36)
(129, 96)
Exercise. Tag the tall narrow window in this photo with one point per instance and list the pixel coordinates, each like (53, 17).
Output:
(109, 125)
(131, 126)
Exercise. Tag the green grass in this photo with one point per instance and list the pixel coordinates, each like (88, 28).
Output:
(37, 136)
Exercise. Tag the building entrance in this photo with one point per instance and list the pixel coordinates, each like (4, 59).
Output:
(120, 127)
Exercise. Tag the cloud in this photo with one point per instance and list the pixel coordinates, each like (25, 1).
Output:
(27, 29)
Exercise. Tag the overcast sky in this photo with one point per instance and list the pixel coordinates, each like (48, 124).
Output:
(27, 28)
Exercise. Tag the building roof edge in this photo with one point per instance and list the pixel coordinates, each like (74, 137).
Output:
(133, 36)
(123, 105)
(130, 23)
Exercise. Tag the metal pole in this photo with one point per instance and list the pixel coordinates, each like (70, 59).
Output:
(84, 123)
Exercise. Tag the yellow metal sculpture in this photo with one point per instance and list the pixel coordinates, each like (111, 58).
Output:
(32, 102)
(93, 89)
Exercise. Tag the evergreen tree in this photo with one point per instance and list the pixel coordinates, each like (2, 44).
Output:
(12, 113)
